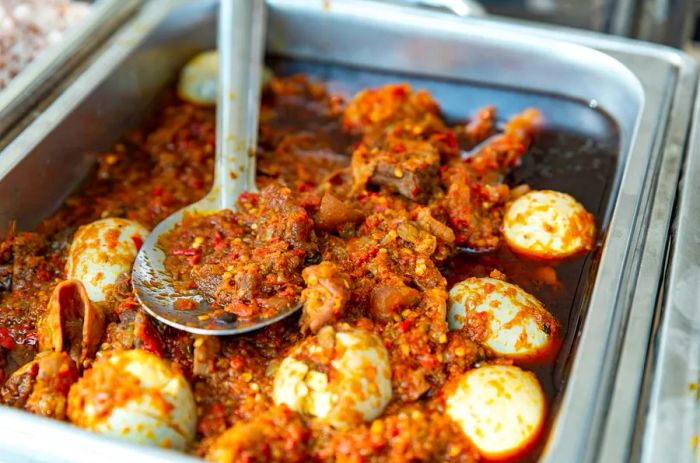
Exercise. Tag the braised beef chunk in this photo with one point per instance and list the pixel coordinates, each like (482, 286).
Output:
(325, 296)
(474, 209)
(334, 213)
(279, 216)
(388, 301)
(375, 110)
(41, 386)
(412, 173)
(395, 150)
(279, 435)
(479, 128)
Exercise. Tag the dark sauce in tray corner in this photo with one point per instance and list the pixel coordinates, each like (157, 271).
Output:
(583, 166)
(576, 152)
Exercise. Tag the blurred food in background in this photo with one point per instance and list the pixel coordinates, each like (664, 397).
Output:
(27, 27)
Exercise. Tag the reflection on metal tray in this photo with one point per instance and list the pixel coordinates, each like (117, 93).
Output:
(52, 64)
(673, 417)
(594, 414)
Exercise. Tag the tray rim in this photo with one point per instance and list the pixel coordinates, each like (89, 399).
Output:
(671, 372)
(681, 63)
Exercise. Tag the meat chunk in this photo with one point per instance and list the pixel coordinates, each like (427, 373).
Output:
(479, 128)
(387, 301)
(435, 227)
(325, 297)
(475, 209)
(41, 386)
(280, 216)
(380, 107)
(504, 151)
(423, 242)
(207, 278)
(405, 166)
(396, 151)
(413, 435)
(279, 435)
(334, 213)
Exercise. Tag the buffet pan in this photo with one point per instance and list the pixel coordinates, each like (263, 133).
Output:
(43, 74)
(617, 90)
(673, 414)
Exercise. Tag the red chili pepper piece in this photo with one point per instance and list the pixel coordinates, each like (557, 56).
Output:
(6, 340)
(138, 242)
(405, 325)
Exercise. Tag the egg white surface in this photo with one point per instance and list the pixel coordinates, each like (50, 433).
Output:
(513, 323)
(549, 225)
(198, 82)
(199, 79)
(360, 387)
(500, 408)
(162, 412)
(101, 251)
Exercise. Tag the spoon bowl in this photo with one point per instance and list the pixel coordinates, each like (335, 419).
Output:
(156, 291)
(240, 42)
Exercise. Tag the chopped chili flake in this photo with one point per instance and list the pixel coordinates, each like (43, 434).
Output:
(405, 325)
(251, 198)
(6, 340)
(138, 242)
(185, 252)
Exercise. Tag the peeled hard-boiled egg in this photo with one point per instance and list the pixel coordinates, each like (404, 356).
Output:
(548, 225)
(342, 376)
(137, 396)
(199, 79)
(501, 316)
(198, 82)
(500, 408)
(101, 251)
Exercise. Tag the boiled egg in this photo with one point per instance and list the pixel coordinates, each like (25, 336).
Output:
(341, 376)
(136, 396)
(548, 224)
(199, 79)
(502, 316)
(500, 408)
(101, 251)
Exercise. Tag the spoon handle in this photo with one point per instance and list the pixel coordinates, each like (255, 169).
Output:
(241, 46)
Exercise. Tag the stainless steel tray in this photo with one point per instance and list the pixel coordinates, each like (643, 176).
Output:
(673, 415)
(640, 86)
(35, 81)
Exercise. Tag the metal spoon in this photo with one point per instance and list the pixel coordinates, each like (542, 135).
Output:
(240, 37)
